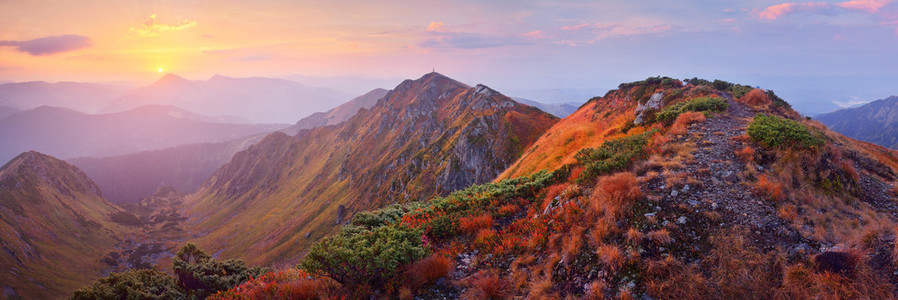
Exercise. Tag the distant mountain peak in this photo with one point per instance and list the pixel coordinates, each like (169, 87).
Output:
(170, 79)
(57, 173)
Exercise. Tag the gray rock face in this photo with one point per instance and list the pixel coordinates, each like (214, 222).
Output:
(652, 105)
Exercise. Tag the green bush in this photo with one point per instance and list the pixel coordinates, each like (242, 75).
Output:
(777, 100)
(670, 113)
(133, 284)
(202, 276)
(358, 256)
(612, 155)
(380, 217)
(775, 132)
(739, 90)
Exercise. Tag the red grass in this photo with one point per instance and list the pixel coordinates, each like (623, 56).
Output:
(788, 212)
(611, 256)
(428, 270)
(616, 193)
(850, 170)
(771, 188)
(660, 236)
(747, 154)
(491, 287)
(472, 224)
(756, 98)
(684, 119)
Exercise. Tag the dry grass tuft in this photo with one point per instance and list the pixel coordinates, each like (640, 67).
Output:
(491, 287)
(428, 270)
(611, 256)
(770, 187)
(756, 98)
(660, 236)
(747, 154)
(683, 120)
(615, 194)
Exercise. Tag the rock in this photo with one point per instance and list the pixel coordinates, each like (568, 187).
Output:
(731, 176)
(681, 220)
(651, 214)
(713, 205)
(341, 213)
(674, 193)
(693, 202)
(652, 105)
(686, 188)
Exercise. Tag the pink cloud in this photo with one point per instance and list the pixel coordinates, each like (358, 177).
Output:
(575, 27)
(533, 34)
(871, 6)
(776, 11)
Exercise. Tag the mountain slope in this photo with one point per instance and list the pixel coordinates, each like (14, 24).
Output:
(66, 133)
(875, 122)
(258, 99)
(85, 97)
(130, 177)
(426, 137)
(340, 113)
(56, 226)
(657, 190)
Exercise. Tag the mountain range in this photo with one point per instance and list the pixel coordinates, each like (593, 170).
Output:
(875, 122)
(67, 133)
(86, 97)
(661, 189)
(426, 137)
(256, 99)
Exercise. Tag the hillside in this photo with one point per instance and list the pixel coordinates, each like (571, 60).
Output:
(875, 122)
(67, 133)
(708, 190)
(130, 177)
(426, 137)
(338, 114)
(257, 99)
(55, 227)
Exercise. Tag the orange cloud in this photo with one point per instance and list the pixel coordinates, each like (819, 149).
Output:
(776, 11)
(870, 6)
(153, 28)
(435, 27)
(534, 34)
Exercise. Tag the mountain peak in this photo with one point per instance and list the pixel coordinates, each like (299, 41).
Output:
(57, 173)
(169, 79)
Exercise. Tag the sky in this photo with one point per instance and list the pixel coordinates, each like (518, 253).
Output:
(820, 55)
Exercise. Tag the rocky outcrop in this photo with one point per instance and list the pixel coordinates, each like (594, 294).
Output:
(649, 107)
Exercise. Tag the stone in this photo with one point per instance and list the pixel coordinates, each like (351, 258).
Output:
(681, 220)
(653, 104)
(674, 193)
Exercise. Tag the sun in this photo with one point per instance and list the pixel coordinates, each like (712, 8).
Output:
(159, 70)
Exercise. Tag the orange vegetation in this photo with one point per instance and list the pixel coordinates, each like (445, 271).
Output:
(756, 98)
(683, 120)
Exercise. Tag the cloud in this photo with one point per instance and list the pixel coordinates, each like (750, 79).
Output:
(151, 27)
(854, 101)
(775, 11)
(575, 27)
(468, 40)
(50, 45)
(435, 27)
(871, 6)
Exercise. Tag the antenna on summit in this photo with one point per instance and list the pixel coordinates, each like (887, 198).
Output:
(434, 69)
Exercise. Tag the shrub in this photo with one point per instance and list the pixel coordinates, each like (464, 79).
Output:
(612, 155)
(381, 217)
(611, 256)
(755, 98)
(777, 100)
(740, 90)
(670, 113)
(359, 256)
(775, 132)
(202, 276)
(133, 284)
